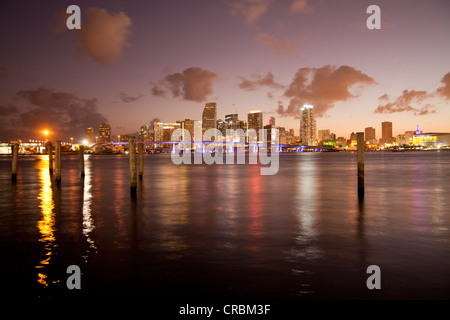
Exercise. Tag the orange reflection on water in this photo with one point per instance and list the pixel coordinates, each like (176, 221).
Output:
(46, 225)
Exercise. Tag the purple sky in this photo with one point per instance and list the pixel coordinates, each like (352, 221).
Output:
(135, 61)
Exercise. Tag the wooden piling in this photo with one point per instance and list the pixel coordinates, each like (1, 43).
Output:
(141, 160)
(360, 154)
(15, 157)
(132, 154)
(81, 160)
(58, 161)
(50, 156)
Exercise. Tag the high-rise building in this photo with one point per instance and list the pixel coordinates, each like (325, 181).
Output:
(231, 121)
(222, 127)
(369, 134)
(90, 137)
(255, 121)
(209, 117)
(308, 134)
(105, 133)
(189, 125)
(144, 133)
(324, 135)
(386, 132)
(272, 121)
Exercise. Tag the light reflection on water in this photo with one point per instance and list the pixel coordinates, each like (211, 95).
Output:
(228, 230)
(88, 221)
(46, 225)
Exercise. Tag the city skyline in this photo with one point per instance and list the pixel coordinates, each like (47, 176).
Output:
(167, 61)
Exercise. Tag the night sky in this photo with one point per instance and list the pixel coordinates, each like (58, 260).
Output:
(134, 61)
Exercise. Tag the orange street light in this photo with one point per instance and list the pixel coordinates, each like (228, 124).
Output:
(46, 133)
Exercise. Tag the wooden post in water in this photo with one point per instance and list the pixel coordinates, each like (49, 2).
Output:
(132, 154)
(141, 159)
(81, 160)
(50, 156)
(58, 161)
(360, 153)
(15, 156)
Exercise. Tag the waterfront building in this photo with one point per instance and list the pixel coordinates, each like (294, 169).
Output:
(386, 132)
(255, 121)
(90, 136)
(308, 134)
(105, 133)
(209, 117)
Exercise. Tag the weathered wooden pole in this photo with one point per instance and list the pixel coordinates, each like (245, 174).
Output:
(15, 157)
(360, 154)
(81, 160)
(141, 160)
(58, 161)
(132, 153)
(50, 156)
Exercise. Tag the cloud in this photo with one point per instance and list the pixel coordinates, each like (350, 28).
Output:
(127, 98)
(194, 84)
(249, 10)
(102, 36)
(322, 87)
(267, 81)
(282, 47)
(7, 110)
(65, 114)
(301, 6)
(404, 101)
(444, 91)
(6, 72)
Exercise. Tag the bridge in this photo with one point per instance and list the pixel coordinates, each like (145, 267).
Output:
(201, 145)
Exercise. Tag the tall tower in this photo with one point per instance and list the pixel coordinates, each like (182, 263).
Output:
(386, 131)
(369, 134)
(308, 134)
(209, 117)
(105, 133)
(255, 121)
(272, 121)
(90, 137)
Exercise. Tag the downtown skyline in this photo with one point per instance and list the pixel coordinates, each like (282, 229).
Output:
(167, 60)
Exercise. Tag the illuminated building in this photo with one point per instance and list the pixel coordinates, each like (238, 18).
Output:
(272, 121)
(189, 125)
(308, 134)
(144, 133)
(105, 133)
(90, 137)
(386, 132)
(255, 122)
(125, 137)
(232, 121)
(369, 134)
(163, 131)
(432, 140)
(209, 117)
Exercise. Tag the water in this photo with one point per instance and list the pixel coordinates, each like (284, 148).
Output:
(225, 232)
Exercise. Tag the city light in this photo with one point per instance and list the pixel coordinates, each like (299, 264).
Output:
(46, 133)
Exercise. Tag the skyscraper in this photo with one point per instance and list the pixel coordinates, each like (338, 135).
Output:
(386, 132)
(144, 133)
(90, 137)
(272, 121)
(255, 121)
(232, 121)
(308, 134)
(369, 134)
(209, 117)
(105, 133)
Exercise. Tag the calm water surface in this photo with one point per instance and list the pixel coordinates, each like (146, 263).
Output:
(225, 231)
